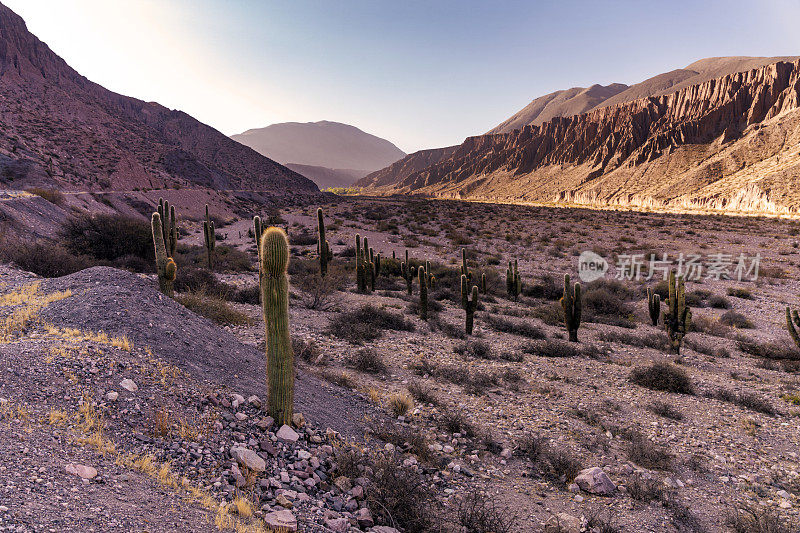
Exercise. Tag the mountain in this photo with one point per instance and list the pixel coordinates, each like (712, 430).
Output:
(340, 149)
(326, 178)
(726, 143)
(58, 129)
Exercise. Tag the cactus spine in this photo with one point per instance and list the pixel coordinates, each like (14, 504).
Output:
(513, 280)
(469, 304)
(423, 294)
(274, 259)
(323, 249)
(571, 302)
(677, 317)
(169, 229)
(165, 266)
(653, 306)
(792, 320)
(408, 273)
(210, 237)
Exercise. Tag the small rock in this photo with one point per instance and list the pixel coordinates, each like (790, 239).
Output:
(281, 519)
(595, 481)
(563, 523)
(112, 396)
(255, 401)
(298, 420)
(85, 472)
(364, 518)
(248, 458)
(129, 385)
(287, 434)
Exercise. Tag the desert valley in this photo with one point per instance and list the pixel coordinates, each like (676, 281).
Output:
(583, 320)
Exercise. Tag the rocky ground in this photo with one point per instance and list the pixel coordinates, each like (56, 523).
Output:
(558, 435)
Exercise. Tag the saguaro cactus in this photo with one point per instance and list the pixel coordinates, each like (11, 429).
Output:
(792, 320)
(323, 249)
(653, 306)
(423, 294)
(274, 259)
(677, 317)
(513, 280)
(571, 302)
(469, 304)
(165, 266)
(210, 237)
(407, 272)
(168, 224)
(374, 266)
(464, 269)
(361, 278)
(483, 288)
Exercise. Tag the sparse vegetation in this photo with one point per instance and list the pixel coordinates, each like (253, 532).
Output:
(662, 377)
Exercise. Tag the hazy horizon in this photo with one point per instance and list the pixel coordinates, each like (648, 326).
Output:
(416, 74)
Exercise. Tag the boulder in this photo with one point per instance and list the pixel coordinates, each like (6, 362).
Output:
(595, 481)
(248, 458)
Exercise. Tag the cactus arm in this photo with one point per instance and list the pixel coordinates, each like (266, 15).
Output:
(275, 295)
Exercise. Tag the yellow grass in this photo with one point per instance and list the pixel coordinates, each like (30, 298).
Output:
(28, 301)
(56, 417)
(81, 336)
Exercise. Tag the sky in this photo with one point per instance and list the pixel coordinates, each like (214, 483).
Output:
(421, 74)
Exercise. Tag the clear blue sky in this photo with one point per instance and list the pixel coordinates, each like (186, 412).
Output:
(419, 73)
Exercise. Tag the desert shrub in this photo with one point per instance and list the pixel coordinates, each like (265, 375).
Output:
(523, 329)
(54, 196)
(656, 341)
(401, 403)
(422, 393)
(303, 237)
(46, 260)
(740, 292)
(646, 453)
(747, 400)
(213, 308)
(342, 378)
(551, 314)
(709, 326)
(719, 302)
(476, 348)
(548, 288)
(736, 320)
(247, 295)
(107, 237)
(317, 291)
(767, 350)
(665, 410)
(366, 323)
(753, 519)
(645, 489)
(662, 376)
(700, 347)
(559, 348)
(455, 421)
(367, 360)
(555, 463)
(436, 323)
(477, 513)
(600, 300)
(193, 279)
(306, 350)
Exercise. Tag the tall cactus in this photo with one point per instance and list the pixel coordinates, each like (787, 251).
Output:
(483, 287)
(169, 229)
(361, 277)
(323, 249)
(165, 266)
(653, 305)
(374, 266)
(464, 269)
(469, 304)
(677, 317)
(792, 320)
(423, 293)
(408, 273)
(513, 280)
(210, 237)
(274, 261)
(571, 302)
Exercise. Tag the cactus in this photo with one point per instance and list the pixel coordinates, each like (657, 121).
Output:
(323, 249)
(407, 272)
(653, 305)
(469, 305)
(464, 269)
(168, 226)
(513, 280)
(165, 266)
(423, 293)
(374, 266)
(274, 259)
(571, 302)
(677, 317)
(361, 278)
(210, 237)
(792, 316)
(482, 287)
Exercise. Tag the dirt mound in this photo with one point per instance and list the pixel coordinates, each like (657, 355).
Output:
(122, 303)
